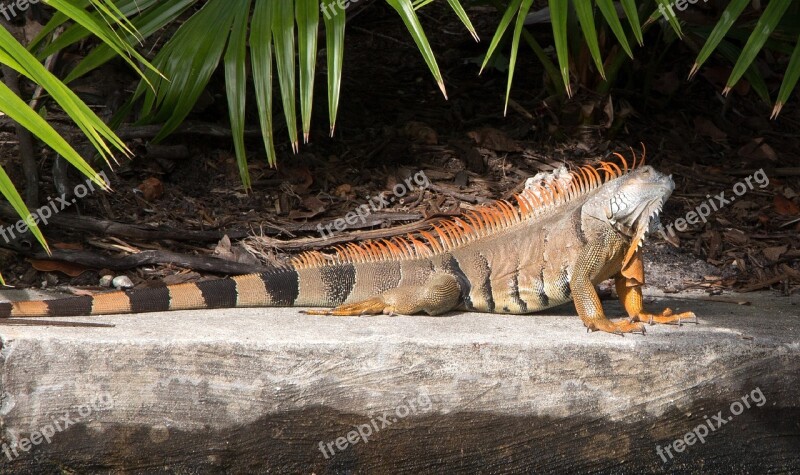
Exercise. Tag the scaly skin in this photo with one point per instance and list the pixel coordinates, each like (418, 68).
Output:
(555, 245)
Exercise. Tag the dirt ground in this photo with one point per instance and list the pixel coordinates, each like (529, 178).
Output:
(394, 123)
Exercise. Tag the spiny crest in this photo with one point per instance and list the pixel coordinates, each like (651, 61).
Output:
(446, 235)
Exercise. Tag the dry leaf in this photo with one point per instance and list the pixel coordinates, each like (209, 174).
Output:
(420, 132)
(224, 250)
(301, 179)
(223, 246)
(774, 253)
(757, 150)
(494, 139)
(707, 128)
(68, 268)
(785, 206)
(736, 237)
(344, 191)
(312, 203)
(152, 189)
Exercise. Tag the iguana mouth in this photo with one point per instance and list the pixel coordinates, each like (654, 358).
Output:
(649, 225)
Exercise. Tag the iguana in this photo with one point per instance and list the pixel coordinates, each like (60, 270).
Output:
(554, 245)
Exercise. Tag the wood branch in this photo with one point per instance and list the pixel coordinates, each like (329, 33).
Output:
(130, 231)
(306, 244)
(786, 171)
(459, 196)
(148, 233)
(117, 263)
(764, 283)
(171, 152)
(187, 128)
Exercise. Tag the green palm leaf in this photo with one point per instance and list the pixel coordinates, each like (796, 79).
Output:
(283, 36)
(523, 11)
(150, 21)
(789, 80)
(724, 24)
(629, 6)
(462, 15)
(334, 51)
(585, 12)
(104, 33)
(558, 17)
(508, 15)
(610, 14)
(236, 82)
(406, 11)
(261, 60)
(188, 60)
(766, 25)
(665, 9)
(307, 13)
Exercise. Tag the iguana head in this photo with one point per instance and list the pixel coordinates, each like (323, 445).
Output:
(630, 204)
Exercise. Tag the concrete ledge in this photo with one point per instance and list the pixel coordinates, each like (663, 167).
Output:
(257, 389)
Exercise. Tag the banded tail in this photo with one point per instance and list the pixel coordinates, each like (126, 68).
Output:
(279, 289)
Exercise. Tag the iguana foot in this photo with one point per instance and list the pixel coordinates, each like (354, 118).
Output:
(667, 317)
(620, 327)
(438, 295)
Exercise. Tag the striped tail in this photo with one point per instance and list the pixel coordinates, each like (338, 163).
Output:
(278, 288)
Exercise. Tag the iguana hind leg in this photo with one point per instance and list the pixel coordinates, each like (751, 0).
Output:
(631, 298)
(440, 294)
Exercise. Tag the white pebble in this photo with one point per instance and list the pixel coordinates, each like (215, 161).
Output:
(122, 282)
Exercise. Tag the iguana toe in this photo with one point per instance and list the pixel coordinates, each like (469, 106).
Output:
(666, 317)
(620, 327)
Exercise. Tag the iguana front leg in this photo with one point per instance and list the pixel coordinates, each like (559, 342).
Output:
(629, 289)
(591, 264)
(438, 295)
